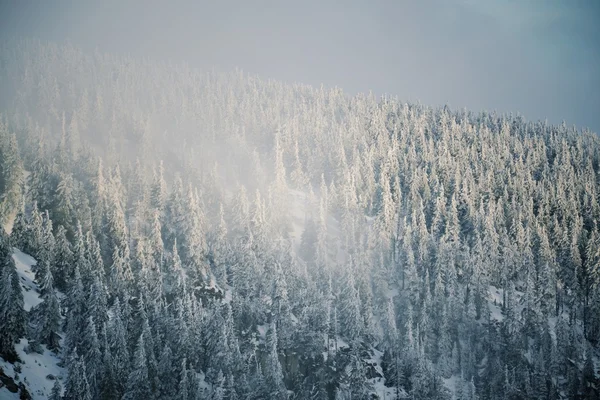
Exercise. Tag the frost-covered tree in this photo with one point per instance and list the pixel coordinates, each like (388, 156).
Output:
(273, 373)
(46, 316)
(12, 315)
(450, 241)
(77, 386)
(138, 387)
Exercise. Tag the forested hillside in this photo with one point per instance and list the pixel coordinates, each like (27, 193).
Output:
(206, 235)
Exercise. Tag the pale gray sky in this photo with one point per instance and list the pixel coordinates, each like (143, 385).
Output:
(537, 57)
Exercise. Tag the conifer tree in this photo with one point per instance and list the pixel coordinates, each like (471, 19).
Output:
(12, 315)
(56, 392)
(18, 235)
(46, 316)
(138, 387)
(273, 372)
(77, 386)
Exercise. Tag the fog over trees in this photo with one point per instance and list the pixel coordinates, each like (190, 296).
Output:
(210, 235)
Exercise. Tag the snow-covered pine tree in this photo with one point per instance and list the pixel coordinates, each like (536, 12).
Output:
(138, 385)
(12, 315)
(77, 386)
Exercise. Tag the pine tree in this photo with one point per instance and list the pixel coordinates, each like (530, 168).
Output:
(117, 341)
(349, 312)
(273, 373)
(108, 379)
(117, 232)
(175, 279)
(18, 235)
(231, 392)
(156, 241)
(63, 259)
(65, 197)
(46, 316)
(219, 387)
(166, 378)
(184, 386)
(75, 303)
(11, 174)
(77, 387)
(359, 386)
(56, 391)
(34, 242)
(121, 276)
(138, 383)
(159, 189)
(90, 347)
(219, 249)
(12, 315)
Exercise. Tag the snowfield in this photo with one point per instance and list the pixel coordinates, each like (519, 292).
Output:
(36, 369)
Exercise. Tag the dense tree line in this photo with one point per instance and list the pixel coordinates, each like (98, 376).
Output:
(161, 201)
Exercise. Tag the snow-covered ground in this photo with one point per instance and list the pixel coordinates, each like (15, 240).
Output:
(451, 383)
(384, 392)
(35, 368)
(495, 303)
(31, 295)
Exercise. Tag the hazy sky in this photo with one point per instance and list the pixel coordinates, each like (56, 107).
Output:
(537, 57)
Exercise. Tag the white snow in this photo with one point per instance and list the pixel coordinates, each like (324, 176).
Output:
(228, 296)
(451, 383)
(31, 295)
(341, 343)
(495, 303)
(34, 367)
(384, 392)
(6, 395)
(392, 292)
(262, 331)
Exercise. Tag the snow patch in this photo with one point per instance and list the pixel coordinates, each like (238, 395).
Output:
(31, 295)
(262, 331)
(392, 292)
(495, 297)
(451, 384)
(35, 368)
(228, 296)
(383, 392)
(34, 371)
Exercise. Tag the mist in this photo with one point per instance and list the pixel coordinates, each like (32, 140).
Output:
(537, 58)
